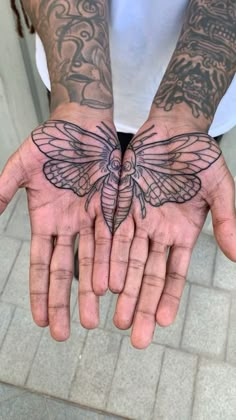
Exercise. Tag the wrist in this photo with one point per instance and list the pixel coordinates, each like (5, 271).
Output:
(77, 114)
(179, 119)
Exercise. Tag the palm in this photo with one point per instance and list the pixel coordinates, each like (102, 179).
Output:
(174, 182)
(66, 171)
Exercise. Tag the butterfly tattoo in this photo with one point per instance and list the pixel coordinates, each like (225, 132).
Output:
(155, 172)
(159, 172)
(82, 161)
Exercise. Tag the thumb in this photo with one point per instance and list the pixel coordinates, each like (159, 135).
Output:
(11, 178)
(224, 216)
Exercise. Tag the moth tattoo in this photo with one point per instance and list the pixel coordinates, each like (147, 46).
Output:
(159, 172)
(154, 172)
(82, 161)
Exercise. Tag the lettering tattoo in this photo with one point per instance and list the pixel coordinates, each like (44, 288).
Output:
(155, 172)
(76, 40)
(204, 61)
(82, 161)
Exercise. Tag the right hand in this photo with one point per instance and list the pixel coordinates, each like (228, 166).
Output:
(70, 177)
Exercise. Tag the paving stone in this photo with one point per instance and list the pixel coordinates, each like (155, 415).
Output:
(8, 391)
(17, 287)
(6, 312)
(61, 411)
(134, 384)
(28, 406)
(172, 335)
(202, 260)
(19, 347)
(104, 304)
(215, 392)
(73, 298)
(206, 322)
(96, 368)
(231, 348)
(19, 224)
(5, 217)
(174, 397)
(8, 252)
(225, 272)
(55, 363)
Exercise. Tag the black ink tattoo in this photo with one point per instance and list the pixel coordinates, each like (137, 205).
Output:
(204, 61)
(82, 161)
(159, 172)
(75, 36)
(154, 172)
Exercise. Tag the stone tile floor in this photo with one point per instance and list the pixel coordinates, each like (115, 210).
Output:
(189, 372)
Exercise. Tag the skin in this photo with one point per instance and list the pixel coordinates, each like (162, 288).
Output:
(82, 95)
(149, 280)
(150, 283)
(150, 255)
(57, 216)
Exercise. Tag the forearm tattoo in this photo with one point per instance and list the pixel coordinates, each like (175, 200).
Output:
(76, 40)
(154, 172)
(204, 61)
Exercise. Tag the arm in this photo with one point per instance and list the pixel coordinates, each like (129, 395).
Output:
(202, 66)
(65, 165)
(76, 41)
(172, 174)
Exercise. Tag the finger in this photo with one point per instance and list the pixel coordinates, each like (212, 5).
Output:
(61, 275)
(103, 240)
(222, 204)
(11, 178)
(152, 287)
(88, 301)
(40, 258)
(127, 300)
(121, 244)
(177, 268)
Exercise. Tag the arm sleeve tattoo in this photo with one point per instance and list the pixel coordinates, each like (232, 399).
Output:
(204, 61)
(76, 40)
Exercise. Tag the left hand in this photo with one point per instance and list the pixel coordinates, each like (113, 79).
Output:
(168, 183)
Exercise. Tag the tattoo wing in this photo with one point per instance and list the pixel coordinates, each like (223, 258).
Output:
(77, 157)
(166, 170)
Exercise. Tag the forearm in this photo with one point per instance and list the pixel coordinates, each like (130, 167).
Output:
(202, 66)
(76, 41)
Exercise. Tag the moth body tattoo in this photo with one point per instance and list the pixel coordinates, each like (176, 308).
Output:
(154, 172)
(82, 161)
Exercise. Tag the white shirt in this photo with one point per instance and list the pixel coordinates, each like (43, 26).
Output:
(143, 36)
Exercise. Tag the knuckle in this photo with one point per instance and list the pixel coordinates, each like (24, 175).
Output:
(153, 280)
(146, 314)
(86, 231)
(99, 261)
(136, 264)
(176, 276)
(85, 261)
(61, 274)
(39, 267)
(118, 261)
(131, 295)
(170, 297)
(58, 307)
(122, 239)
(101, 241)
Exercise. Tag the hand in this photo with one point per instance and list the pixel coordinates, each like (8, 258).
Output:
(168, 183)
(71, 175)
